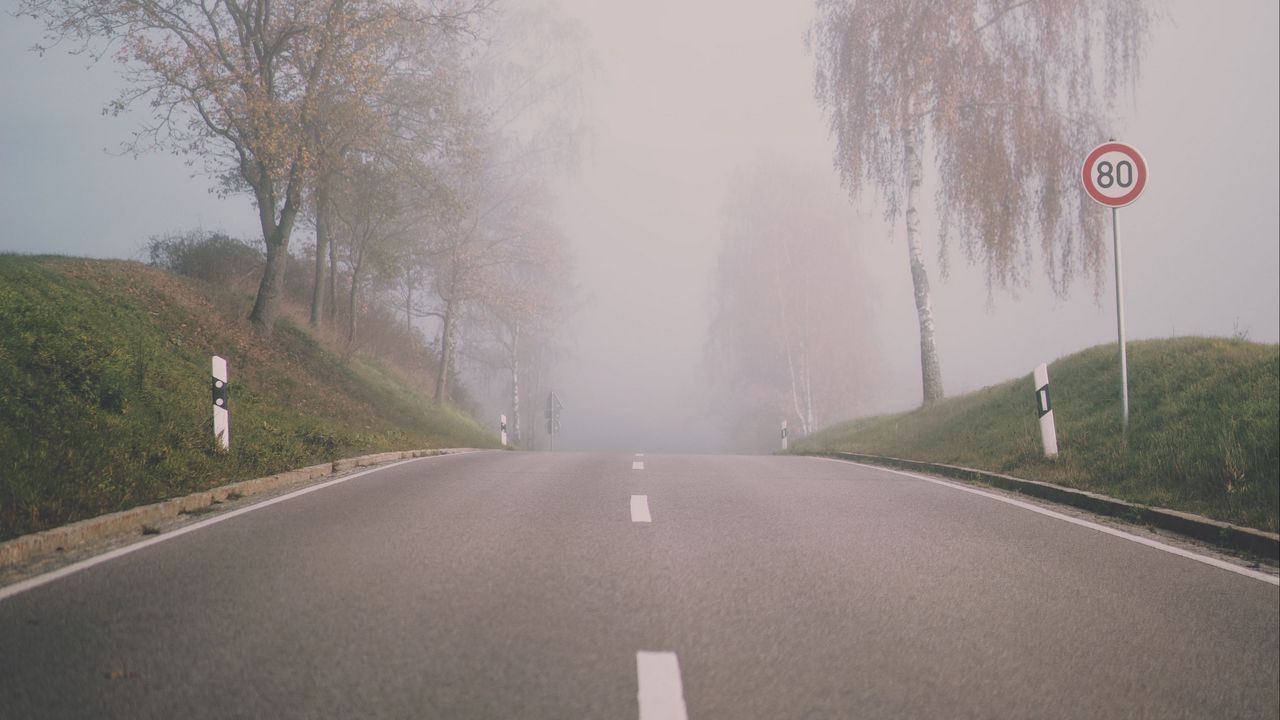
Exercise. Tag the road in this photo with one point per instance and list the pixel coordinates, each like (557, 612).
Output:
(523, 585)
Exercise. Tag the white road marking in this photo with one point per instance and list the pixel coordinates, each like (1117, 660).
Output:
(661, 691)
(37, 581)
(640, 508)
(639, 454)
(637, 465)
(1215, 562)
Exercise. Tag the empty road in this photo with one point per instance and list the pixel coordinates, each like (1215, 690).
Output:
(560, 585)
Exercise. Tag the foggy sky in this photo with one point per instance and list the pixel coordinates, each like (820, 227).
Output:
(688, 92)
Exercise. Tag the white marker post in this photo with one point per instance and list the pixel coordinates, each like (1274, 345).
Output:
(1048, 433)
(1114, 175)
(784, 435)
(221, 413)
(504, 430)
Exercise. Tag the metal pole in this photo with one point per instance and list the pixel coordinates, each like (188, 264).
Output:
(1124, 356)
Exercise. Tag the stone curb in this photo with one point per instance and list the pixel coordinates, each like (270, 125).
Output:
(136, 520)
(1215, 532)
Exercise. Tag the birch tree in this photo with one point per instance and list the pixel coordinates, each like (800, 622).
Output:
(528, 299)
(1009, 95)
(792, 321)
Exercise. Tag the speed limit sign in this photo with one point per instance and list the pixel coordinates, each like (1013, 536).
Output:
(1114, 174)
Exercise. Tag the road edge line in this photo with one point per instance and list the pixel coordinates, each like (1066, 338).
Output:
(22, 586)
(1214, 532)
(1155, 544)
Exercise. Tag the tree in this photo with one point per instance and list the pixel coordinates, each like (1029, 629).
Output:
(528, 298)
(406, 117)
(1009, 95)
(526, 104)
(368, 205)
(792, 322)
(240, 83)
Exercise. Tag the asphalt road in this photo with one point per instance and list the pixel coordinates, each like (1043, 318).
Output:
(518, 585)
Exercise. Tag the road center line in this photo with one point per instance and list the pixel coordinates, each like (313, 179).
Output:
(640, 508)
(1215, 562)
(637, 465)
(661, 691)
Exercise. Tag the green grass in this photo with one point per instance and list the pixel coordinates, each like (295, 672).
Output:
(105, 402)
(1204, 433)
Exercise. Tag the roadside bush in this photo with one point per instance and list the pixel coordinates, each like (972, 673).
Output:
(211, 256)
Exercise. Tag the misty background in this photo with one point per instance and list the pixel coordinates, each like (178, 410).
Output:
(683, 97)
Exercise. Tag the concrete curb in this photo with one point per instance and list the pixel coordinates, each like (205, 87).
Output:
(1215, 532)
(135, 520)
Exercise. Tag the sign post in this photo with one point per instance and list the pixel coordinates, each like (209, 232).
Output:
(504, 430)
(553, 417)
(1114, 175)
(221, 412)
(784, 434)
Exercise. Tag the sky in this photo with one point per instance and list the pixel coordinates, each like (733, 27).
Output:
(686, 93)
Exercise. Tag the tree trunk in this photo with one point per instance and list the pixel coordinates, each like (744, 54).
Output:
(515, 383)
(333, 283)
(352, 299)
(266, 306)
(408, 304)
(930, 372)
(446, 349)
(806, 388)
(322, 248)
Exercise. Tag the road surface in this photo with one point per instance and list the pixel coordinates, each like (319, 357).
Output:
(558, 585)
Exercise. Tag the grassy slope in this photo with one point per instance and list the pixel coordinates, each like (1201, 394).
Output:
(1204, 428)
(105, 404)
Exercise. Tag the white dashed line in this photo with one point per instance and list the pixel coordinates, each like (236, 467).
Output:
(661, 691)
(640, 508)
(639, 454)
(637, 465)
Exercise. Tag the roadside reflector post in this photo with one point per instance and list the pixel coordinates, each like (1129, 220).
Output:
(504, 430)
(1044, 407)
(784, 435)
(221, 411)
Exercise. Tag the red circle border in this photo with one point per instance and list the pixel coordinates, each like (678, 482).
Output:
(1139, 162)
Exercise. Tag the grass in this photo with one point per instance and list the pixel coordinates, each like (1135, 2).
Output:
(105, 401)
(1204, 433)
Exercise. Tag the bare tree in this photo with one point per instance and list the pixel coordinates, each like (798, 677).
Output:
(1010, 93)
(239, 82)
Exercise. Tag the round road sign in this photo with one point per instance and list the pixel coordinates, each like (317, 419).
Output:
(1114, 174)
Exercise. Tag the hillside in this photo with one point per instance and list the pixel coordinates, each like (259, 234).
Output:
(1204, 431)
(105, 401)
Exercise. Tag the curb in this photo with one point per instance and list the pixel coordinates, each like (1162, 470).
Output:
(1214, 532)
(137, 520)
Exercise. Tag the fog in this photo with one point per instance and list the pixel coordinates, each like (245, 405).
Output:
(684, 96)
